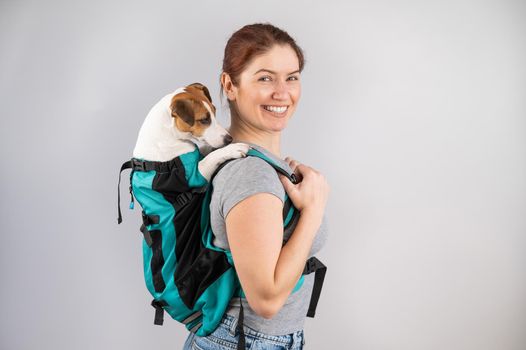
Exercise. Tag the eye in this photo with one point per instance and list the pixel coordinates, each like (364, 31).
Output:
(295, 78)
(265, 77)
(206, 121)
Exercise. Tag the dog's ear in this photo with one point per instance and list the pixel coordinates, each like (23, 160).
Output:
(207, 93)
(204, 89)
(183, 109)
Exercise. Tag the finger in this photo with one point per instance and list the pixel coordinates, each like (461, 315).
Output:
(302, 169)
(293, 164)
(286, 182)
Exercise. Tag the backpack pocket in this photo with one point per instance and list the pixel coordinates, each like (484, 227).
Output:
(200, 275)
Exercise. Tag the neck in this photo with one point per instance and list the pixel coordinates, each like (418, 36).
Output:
(268, 140)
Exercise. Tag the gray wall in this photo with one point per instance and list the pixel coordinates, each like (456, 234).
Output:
(415, 112)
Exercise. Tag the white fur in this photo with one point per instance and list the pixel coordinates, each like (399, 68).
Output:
(160, 140)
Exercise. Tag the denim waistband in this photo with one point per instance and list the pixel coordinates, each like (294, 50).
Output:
(289, 340)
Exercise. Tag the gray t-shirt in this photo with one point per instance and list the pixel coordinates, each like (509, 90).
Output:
(238, 180)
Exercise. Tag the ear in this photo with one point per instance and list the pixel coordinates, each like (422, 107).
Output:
(204, 89)
(228, 86)
(183, 109)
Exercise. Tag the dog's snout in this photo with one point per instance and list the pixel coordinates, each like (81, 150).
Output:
(228, 139)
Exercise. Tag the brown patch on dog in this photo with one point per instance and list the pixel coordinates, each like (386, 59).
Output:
(200, 90)
(201, 87)
(189, 112)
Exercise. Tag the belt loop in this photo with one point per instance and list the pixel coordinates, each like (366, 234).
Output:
(297, 339)
(232, 327)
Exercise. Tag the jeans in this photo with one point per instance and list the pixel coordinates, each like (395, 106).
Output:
(225, 337)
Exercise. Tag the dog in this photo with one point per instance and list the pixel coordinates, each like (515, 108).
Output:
(181, 121)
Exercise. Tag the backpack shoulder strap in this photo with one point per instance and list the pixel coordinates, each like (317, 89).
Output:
(254, 152)
(290, 213)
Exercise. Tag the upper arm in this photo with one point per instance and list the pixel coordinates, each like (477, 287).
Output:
(251, 203)
(255, 235)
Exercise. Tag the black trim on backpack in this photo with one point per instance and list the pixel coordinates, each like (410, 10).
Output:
(316, 266)
(124, 166)
(293, 220)
(148, 220)
(159, 167)
(198, 267)
(187, 225)
(159, 311)
(157, 261)
(204, 271)
(147, 235)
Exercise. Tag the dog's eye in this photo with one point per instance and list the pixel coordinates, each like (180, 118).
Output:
(206, 121)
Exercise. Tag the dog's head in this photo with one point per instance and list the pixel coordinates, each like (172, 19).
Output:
(194, 115)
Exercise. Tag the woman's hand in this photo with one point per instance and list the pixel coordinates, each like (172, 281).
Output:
(312, 191)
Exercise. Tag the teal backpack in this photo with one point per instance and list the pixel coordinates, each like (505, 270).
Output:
(188, 277)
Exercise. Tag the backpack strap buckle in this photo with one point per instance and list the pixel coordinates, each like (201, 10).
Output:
(312, 265)
(148, 220)
(138, 164)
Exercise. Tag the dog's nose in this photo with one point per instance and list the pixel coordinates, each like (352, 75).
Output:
(227, 139)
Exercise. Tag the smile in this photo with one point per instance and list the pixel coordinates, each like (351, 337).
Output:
(276, 109)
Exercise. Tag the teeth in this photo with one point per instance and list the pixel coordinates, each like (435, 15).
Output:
(276, 109)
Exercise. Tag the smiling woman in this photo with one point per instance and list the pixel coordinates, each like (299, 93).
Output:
(261, 79)
(267, 90)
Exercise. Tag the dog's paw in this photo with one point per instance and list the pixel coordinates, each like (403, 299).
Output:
(235, 150)
(209, 164)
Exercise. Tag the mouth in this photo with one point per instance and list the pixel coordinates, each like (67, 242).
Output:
(278, 111)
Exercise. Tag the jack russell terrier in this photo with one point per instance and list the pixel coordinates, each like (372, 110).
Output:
(181, 121)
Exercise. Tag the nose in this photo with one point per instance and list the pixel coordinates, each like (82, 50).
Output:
(280, 90)
(227, 139)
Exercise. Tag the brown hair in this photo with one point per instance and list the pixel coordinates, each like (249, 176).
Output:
(250, 41)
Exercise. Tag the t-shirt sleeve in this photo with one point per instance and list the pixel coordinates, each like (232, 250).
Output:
(243, 178)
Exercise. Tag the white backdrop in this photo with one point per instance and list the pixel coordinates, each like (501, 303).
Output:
(414, 110)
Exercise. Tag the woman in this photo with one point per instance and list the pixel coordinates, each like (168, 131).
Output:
(261, 78)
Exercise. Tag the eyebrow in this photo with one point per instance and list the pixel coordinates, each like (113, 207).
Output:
(272, 72)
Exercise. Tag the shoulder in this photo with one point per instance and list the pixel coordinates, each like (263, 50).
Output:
(245, 167)
(241, 178)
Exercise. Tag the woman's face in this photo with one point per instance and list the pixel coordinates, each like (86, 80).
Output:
(269, 89)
